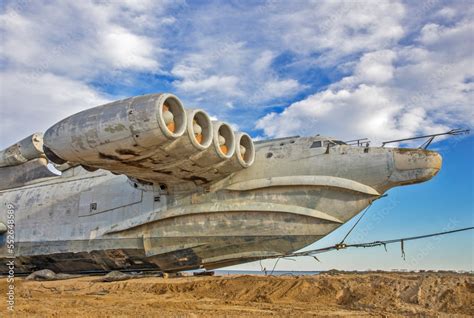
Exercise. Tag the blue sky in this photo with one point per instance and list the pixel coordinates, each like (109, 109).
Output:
(376, 69)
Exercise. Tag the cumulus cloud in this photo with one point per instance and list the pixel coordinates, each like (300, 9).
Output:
(337, 28)
(423, 87)
(226, 85)
(345, 68)
(336, 112)
(29, 105)
(230, 71)
(245, 43)
(77, 39)
(52, 51)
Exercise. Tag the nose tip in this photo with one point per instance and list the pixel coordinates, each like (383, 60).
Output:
(410, 159)
(415, 165)
(436, 161)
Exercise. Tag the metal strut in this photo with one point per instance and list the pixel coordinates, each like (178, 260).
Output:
(341, 244)
(425, 145)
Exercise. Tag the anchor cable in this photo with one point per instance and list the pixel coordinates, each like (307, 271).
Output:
(373, 244)
(341, 244)
(360, 218)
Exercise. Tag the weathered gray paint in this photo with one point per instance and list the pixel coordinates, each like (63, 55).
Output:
(291, 196)
(130, 137)
(28, 148)
(19, 175)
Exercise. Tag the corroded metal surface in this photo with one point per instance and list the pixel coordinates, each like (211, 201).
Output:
(296, 191)
(321, 181)
(29, 148)
(151, 138)
(16, 176)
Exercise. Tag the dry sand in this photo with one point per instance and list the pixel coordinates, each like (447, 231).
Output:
(340, 294)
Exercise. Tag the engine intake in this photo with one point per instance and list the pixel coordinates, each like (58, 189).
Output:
(243, 157)
(121, 131)
(150, 138)
(198, 138)
(26, 149)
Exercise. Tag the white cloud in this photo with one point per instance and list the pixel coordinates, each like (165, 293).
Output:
(223, 84)
(405, 67)
(80, 39)
(392, 93)
(337, 28)
(372, 68)
(230, 77)
(223, 70)
(126, 50)
(51, 50)
(274, 88)
(31, 105)
(340, 112)
(231, 42)
(447, 13)
(263, 62)
(376, 67)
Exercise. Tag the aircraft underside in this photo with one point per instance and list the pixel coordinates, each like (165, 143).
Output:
(207, 252)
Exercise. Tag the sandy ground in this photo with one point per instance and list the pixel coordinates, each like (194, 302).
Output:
(340, 294)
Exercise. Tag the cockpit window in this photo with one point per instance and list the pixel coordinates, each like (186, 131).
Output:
(325, 143)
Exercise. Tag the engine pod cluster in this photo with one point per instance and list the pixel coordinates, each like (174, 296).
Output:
(152, 138)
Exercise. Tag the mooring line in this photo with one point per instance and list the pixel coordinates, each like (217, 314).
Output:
(374, 243)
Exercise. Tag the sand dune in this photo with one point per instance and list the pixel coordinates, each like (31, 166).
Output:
(341, 294)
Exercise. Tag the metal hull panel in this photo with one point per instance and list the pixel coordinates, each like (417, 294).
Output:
(291, 196)
(104, 254)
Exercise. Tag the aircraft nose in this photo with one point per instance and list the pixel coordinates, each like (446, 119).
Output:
(409, 159)
(414, 165)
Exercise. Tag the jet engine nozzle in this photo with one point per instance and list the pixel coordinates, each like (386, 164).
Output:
(223, 140)
(244, 149)
(171, 117)
(120, 131)
(414, 165)
(27, 149)
(150, 138)
(200, 128)
(244, 155)
(197, 139)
